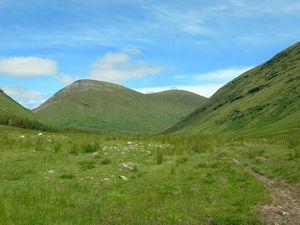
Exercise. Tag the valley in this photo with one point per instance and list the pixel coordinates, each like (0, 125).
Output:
(90, 178)
(101, 153)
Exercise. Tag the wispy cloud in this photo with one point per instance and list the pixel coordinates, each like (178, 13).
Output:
(190, 21)
(118, 67)
(223, 74)
(155, 20)
(205, 84)
(131, 51)
(206, 90)
(28, 98)
(267, 6)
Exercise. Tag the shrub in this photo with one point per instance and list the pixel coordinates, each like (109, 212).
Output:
(90, 148)
(106, 161)
(293, 142)
(297, 152)
(73, 148)
(57, 147)
(67, 176)
(159, 157)
(39, 144)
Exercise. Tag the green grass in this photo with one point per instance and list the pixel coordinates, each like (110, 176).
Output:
(264, 101)
(113, 108)
(74, 178)
(275, 159)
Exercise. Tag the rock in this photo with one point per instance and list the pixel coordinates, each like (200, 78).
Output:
(95, 154)
(40, 134)
(128, 166)
(51, 171)
(123, 178)
(283, 213)
(129, 142)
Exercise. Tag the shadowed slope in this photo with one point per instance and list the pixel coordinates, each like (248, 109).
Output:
(13, 114)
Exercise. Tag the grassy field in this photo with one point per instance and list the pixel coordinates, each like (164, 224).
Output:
(89, 178)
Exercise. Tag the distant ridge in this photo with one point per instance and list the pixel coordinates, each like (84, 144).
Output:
(109, 107)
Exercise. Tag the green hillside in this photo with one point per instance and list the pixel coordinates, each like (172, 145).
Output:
(8, 107)
(110, 107)
(264, 100)
(13, 114)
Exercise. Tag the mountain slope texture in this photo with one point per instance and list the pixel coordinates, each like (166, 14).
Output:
(264, 100)
(13, 114)
(113, 108)
(10, 107)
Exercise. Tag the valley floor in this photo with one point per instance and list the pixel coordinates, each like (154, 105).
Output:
(88, 178)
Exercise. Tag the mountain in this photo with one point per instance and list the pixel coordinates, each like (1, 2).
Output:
(10, 107)
(110, 107)
(14, 114)
(264, 100)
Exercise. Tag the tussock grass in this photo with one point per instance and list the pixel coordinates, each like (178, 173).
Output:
(75, 178)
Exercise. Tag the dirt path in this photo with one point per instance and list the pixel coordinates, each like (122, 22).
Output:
(285, 206)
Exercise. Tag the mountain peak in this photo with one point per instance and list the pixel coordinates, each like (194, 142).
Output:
(85, 84)
(111, 107)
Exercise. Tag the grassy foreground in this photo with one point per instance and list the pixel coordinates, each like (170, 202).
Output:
(86, 178)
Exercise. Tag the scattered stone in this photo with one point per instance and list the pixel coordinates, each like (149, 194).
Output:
(40, 134)
(22, 136)
(51, 171)
(129, 142)
(123, 178)
(128, 166)
(106, 179)
(284, 213)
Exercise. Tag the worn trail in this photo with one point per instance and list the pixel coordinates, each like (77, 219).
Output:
(285, 205)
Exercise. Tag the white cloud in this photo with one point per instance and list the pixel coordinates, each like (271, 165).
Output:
(27, 66)
(31, 67)
(191, 21)
(117, 67)
(223, 74)
(206, 90)
(28, 98)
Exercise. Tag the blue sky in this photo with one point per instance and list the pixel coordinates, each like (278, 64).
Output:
(197, 45)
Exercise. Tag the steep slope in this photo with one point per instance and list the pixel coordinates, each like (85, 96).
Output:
(8, 106)
(264, 100)
(110, 107)
(13, 114)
